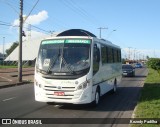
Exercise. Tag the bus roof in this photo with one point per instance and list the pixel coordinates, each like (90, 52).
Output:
(106, 42)
(76, 32)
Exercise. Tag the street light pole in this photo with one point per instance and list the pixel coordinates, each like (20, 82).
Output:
(134, 54)
(20, 42)
(129, 53)
(110, 33)
(100, 28)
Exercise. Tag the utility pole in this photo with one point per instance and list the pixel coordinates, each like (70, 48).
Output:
(134, 54)
(20, 42)
(100, 28)
(129, 53)
(3, 49)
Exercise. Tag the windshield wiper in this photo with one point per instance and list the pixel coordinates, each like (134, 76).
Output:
(52, 63)
(64, 61)
(66, 64)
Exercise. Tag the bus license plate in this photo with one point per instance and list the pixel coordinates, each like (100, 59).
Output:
(59, 93)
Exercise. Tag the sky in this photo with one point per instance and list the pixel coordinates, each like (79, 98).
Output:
(134, 25)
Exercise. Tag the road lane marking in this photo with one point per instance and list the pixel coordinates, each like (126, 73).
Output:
(6, 78)
(57, 106)
(8, 99)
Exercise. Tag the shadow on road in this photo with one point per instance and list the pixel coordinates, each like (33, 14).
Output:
(124, 99)
(136, 78)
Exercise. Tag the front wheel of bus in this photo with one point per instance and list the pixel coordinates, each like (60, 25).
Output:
(97, 98)
(114, 87)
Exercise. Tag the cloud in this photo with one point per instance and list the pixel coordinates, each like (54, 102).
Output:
(34, 19)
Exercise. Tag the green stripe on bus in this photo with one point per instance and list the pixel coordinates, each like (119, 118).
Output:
(52, 41)
(75, 41)
(78, 41)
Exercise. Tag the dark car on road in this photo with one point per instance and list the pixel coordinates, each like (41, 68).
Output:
(128, 70)
(138, 65)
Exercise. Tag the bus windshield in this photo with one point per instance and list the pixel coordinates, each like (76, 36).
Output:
(64, 56)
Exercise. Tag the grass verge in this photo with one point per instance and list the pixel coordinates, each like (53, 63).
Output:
(149, 103)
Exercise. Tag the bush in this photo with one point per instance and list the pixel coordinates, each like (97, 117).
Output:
(154, 63)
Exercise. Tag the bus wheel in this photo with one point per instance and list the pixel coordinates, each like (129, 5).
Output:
(114, 87)
(97, 98)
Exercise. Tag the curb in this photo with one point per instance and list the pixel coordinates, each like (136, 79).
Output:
(15, 84)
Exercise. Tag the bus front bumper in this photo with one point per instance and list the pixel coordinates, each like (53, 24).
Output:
(80, 97)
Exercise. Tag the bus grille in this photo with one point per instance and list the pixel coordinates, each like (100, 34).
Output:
(68, 92)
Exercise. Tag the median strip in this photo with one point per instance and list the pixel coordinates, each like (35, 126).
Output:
(9, 99)
(6, 78)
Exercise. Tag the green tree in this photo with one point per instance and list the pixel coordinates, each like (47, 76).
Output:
(154, 63)
(147, 57)
(10, 50)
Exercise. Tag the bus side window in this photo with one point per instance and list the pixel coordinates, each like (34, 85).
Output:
(96, 59)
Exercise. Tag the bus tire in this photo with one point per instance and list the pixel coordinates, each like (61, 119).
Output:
(114, 86)
(97, 97)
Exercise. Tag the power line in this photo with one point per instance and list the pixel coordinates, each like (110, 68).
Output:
(28, 4)
(40, 29)
(74, 5)
(75, 10)
(3, 24)
(10, 5)
(29, 15)
(84, 12)
(31, 10)
(56, 21)
(8, 24)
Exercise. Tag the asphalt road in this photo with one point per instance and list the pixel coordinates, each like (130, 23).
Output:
(18, 102)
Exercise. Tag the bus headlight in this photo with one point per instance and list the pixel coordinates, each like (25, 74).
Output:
(38, 84)
(83, 85)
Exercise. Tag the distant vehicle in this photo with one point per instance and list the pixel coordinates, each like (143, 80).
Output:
(128, 70)
(63, 76)
(138, 65)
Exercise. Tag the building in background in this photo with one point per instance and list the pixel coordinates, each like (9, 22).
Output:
(29, 51)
